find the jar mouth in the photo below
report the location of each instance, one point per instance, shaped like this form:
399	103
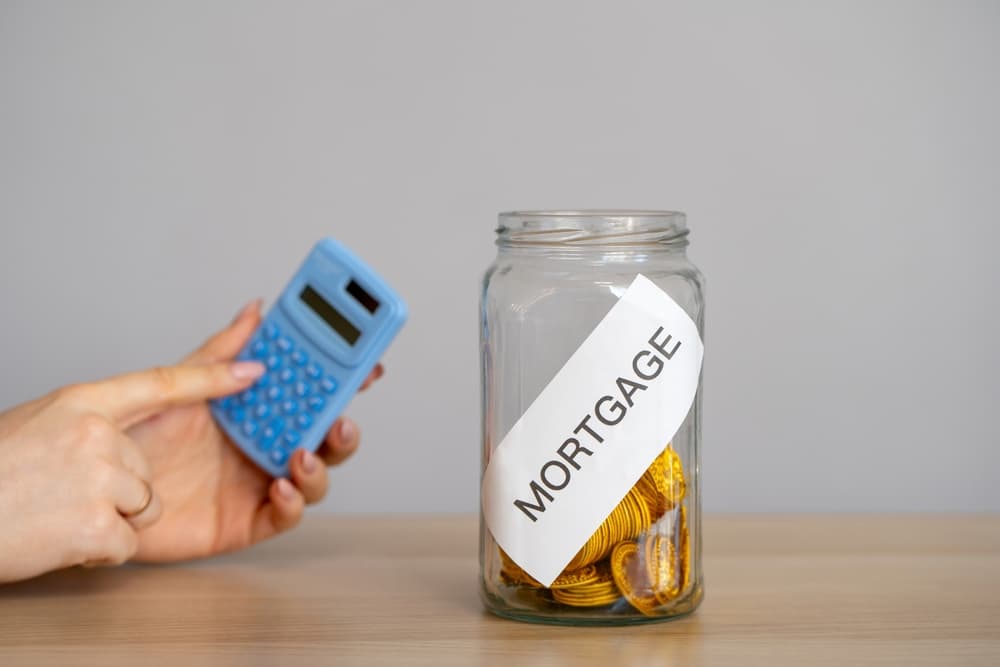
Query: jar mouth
597	227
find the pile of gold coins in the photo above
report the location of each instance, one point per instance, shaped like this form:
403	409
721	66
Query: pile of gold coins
641	552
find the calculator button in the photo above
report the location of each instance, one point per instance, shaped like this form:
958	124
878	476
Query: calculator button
299	358
269	434
249	428
274	393
248	397
278	456
258	350
301	389
314	371
304	420
328	384
262	411
289	407
273	362
270	330
291	439
227	403
264	381
267	438
286	375
284	344
316	403
237	414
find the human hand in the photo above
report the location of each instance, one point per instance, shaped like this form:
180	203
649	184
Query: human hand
77	465
74	485
214	498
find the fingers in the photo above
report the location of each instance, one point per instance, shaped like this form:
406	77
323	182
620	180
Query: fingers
206	373
136	500
128	399
107	539
133	459
104	535
342	441
287	501
308	472
281	512
227	343
132	490
376	373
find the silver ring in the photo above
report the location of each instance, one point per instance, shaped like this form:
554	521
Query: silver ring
145	502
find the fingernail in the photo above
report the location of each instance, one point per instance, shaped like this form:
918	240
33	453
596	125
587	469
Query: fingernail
243	311
348	431
247	370
285	489
246	310
309	462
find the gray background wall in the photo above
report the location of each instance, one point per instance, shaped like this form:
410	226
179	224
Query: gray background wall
162	163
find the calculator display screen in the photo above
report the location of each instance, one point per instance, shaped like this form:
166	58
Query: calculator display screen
363	297
330	315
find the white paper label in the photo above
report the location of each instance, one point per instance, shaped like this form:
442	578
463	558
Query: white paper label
592	432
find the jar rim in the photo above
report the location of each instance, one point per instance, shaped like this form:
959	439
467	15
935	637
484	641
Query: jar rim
592	227
614	213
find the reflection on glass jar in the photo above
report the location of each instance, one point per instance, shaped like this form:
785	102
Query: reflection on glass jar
561	283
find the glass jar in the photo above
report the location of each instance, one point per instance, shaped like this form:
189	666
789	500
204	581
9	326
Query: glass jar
548	312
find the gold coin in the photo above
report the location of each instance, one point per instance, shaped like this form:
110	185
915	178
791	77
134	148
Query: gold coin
596	597
631	577
652	497
648	577
597	589
644	517
615	528
571	578
663	568
511	572
667	475
660	488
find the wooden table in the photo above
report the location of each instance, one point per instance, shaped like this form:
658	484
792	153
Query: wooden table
796	589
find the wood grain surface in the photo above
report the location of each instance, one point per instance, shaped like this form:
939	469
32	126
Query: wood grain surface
780	590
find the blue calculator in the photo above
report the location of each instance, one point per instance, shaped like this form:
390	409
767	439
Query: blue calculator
319	342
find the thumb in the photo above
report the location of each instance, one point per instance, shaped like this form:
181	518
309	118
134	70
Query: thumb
130	398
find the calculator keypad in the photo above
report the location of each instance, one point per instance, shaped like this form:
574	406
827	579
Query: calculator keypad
286	401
